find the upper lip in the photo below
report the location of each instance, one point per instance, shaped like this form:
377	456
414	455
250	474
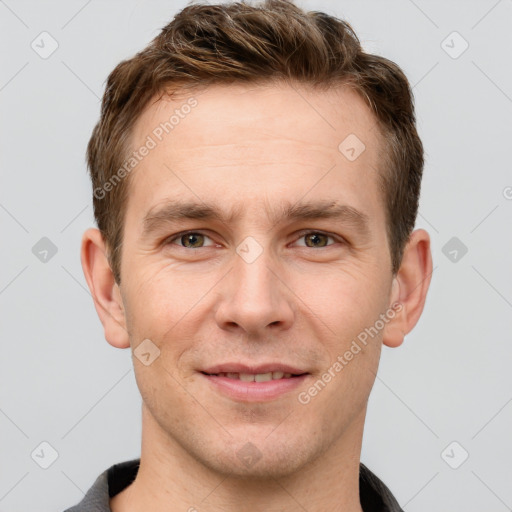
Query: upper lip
261	368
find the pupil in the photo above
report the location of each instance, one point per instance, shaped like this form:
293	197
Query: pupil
190	238
314	236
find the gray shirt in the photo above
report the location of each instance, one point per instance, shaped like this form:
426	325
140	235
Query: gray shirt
373	493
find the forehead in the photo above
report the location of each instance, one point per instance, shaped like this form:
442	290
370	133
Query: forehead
255	111
250	140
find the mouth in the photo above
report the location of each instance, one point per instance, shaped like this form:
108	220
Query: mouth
263	383
255	377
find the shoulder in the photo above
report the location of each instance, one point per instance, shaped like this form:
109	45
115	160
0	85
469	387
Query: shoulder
112	481
375	496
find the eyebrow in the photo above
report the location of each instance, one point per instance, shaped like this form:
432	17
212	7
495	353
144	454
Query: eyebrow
176	210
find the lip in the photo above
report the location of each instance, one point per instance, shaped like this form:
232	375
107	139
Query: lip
243	391
261	368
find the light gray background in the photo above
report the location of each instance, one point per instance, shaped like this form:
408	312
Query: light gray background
450	381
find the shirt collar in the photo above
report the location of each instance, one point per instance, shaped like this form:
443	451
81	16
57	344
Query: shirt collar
373	493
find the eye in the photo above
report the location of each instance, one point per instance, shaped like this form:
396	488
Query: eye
196	239
316	239
189	240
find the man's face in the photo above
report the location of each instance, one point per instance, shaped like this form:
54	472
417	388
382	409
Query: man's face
258	288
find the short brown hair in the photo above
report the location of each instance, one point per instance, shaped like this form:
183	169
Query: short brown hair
236	42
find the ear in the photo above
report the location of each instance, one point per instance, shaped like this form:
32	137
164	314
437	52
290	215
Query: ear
409	288
104	290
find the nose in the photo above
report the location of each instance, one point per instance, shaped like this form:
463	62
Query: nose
254	297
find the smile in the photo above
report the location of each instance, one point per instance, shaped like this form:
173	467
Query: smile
258	377
254	387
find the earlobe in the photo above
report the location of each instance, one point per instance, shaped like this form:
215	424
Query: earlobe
409	288
104	290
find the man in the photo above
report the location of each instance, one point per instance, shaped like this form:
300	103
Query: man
256	179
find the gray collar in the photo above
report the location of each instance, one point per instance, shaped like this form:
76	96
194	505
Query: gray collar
373	493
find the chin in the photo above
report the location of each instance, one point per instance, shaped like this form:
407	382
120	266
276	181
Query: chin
264	458
268	467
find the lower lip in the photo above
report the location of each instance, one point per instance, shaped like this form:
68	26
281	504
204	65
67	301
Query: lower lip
254	391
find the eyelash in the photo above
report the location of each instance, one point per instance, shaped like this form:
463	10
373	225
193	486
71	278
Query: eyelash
302	234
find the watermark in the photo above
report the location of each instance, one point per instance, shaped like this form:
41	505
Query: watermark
351	147
44	455
150	143
249	455
454	455
342	360
454	45
454	249
44	45
146	352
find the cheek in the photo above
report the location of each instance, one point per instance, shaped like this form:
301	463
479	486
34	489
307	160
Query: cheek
346	299
162	293
163	395
168	306
348	307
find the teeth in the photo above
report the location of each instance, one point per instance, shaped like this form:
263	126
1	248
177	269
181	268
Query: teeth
260	377
263	377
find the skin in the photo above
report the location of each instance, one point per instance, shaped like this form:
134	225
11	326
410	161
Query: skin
299	302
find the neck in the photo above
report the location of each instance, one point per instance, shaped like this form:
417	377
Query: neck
169	478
